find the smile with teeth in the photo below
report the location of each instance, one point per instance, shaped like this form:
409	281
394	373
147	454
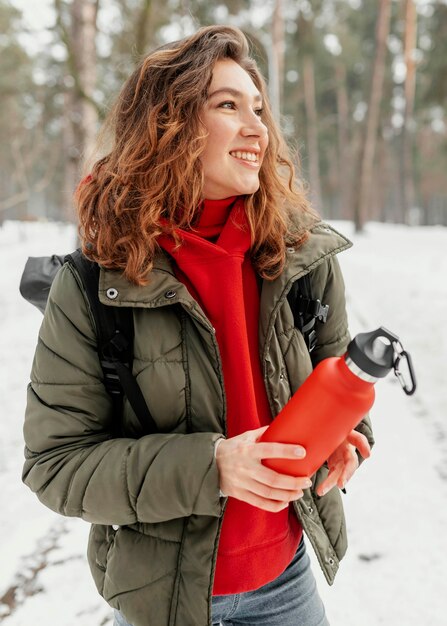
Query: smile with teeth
246	156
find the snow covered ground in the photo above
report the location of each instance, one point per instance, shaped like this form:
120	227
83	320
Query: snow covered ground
396	505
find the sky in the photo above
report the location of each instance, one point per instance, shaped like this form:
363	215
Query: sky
38	15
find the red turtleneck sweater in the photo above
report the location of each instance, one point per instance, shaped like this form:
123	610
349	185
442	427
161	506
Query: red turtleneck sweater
213	262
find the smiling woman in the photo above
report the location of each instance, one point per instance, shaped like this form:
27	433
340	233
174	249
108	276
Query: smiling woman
200	229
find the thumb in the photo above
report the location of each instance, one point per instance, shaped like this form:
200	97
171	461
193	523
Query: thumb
258	432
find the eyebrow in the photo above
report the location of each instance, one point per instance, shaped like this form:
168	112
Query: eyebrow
233	92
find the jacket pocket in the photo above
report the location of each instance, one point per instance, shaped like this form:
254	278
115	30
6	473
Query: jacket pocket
100	541
135	561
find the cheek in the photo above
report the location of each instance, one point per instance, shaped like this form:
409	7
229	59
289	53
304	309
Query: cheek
211	154
220	132
265	140
216	148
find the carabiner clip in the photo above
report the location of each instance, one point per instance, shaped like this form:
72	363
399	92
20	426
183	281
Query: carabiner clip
403	354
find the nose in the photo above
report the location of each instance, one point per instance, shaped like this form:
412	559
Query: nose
253	126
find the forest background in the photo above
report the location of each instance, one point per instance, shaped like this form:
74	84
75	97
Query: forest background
359	88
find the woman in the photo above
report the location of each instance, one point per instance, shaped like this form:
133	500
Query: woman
196	223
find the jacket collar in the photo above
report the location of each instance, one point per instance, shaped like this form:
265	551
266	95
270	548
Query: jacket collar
323	242
165	289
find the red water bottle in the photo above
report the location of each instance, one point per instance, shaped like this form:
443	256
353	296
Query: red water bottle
334	399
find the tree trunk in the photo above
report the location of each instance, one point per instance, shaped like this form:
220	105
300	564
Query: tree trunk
407	164
363	192
83	42
312	129
277	63
142	33
89	73
382	174
345	180
81	111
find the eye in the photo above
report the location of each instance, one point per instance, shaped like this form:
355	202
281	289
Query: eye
228	104
259	112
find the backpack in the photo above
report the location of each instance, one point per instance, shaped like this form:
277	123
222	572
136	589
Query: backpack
114	325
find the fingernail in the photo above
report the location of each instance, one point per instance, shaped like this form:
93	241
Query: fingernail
300	452
308	483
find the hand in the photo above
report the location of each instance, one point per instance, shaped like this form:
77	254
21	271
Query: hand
243	476
344	461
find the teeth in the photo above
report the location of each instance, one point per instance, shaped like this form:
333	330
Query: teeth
246	156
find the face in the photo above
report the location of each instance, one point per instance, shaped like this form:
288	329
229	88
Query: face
237	138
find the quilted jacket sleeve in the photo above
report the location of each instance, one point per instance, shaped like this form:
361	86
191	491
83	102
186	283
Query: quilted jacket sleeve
73	462
333	337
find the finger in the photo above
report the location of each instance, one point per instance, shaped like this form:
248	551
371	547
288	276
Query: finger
272	478
273	506
258	432
330	481
360	442
251	436
348	471
270	450
273	493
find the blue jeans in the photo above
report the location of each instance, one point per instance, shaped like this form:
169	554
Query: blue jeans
290	600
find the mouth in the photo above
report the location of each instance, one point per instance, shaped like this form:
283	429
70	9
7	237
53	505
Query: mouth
251	158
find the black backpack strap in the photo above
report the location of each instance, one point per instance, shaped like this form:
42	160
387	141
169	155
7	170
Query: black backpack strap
306	310
114	332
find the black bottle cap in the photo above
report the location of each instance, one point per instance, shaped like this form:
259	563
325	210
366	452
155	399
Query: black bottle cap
373	352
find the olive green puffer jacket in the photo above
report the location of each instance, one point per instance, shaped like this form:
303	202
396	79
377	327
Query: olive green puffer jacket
153	500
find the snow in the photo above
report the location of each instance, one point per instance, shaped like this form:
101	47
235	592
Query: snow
396	505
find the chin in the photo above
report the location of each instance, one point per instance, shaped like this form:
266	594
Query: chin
248	190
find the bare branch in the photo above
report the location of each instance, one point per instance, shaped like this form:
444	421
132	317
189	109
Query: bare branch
15	200
38	187
22	167
71	57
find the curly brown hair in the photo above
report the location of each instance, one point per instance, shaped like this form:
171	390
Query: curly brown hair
153	169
